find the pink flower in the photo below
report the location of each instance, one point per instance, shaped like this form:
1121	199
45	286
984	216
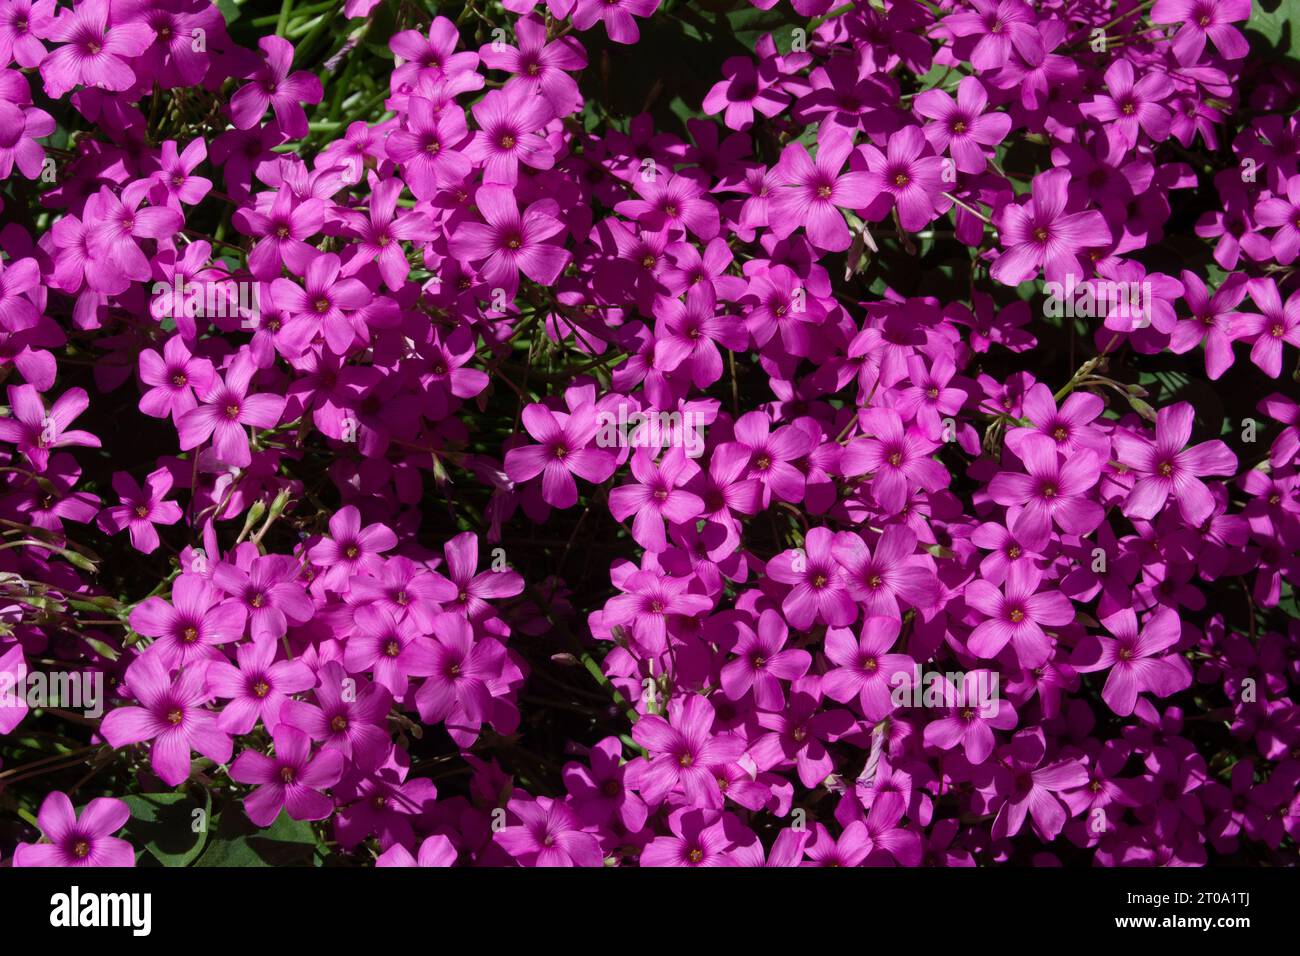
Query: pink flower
683	752
962	127
658	496
259	687
509	121
35	431
813	191
511	243
895	456
1167	467
87	841
562	452
818	589
1275	325
228	411
140	510
273	85
175	376
172	714
762	661
291	780
616	14
94	52
866	670
1040	234
1135	659
1016	614
350	549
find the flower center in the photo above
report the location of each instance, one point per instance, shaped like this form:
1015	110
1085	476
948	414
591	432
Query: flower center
392	648
1017	615
261	689
175	715
339	724
287	774
81	849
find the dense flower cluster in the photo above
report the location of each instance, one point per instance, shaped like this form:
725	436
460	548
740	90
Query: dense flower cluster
863	585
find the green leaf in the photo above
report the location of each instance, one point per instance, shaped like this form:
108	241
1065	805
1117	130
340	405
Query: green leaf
164	823
237	842
1274	28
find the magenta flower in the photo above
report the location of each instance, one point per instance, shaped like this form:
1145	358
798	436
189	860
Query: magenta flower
1016	614
73	841
1129	107
35	431
1053	491
771	457
174	376
95	49
259	687
962	128
509	121
23	23
865	670
290	781
20	128
282	231
350	549
174	180
683	753
878	578
813	191
745	89
1031	788
348	716
13	702
616	14
974	712
511	243
697	838
894	456
430	147
1168	467
562	452
1199	20
227	412
1277	324
273	85
267	586
1040	234
907	177
658	496
327	301
140	510
1136	660
437	851
461	671
539	66
762	661
191	628
548	833
649	600
172	714
818	590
